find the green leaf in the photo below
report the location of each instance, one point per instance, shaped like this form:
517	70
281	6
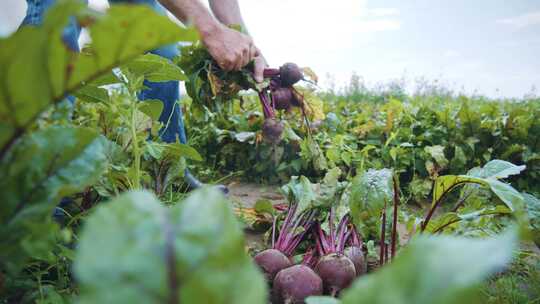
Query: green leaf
155	68
510	196
182	150
147	253
37	56
301	191
450	218
434	270
533	212
369	192
151	107
42	168
322	300
437	152
497	169
244	136
264	206
92	93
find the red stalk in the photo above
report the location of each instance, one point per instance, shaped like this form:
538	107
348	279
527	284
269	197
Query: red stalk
394	218
383	233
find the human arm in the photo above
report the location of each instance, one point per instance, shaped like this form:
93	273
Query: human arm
228	12
231	49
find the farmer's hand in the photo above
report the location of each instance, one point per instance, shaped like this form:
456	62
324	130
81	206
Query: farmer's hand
231	49
260	65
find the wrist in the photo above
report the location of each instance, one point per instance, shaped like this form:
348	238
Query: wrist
207	26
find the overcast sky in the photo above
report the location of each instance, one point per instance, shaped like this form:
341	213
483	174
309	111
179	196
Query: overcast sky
487	46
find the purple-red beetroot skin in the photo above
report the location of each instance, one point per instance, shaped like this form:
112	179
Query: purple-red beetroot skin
356	255
282	98
336	271
271	261
290	74
295	284
272	130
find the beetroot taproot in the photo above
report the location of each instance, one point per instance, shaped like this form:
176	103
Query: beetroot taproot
290	74
295	284
356	255
271	261
272	130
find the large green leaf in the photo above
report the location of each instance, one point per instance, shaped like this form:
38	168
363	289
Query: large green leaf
496	169
533	211
444	184
134	250
451	218
433	270
42	168
370	192
36	56
155	68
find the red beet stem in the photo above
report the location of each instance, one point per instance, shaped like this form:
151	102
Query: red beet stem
383	233
394	217
268	73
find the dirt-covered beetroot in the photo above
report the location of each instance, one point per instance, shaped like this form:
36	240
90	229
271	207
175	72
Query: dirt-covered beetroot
282	98
336	271
272	130
290	74
271	261
356	255
295	284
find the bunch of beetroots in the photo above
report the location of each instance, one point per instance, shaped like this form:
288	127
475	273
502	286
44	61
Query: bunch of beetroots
279	95
326	268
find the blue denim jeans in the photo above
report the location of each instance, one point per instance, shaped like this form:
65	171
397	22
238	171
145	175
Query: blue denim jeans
167	92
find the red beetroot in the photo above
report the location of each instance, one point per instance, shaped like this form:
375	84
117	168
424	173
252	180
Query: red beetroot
290	73
271	261
295	284
272	130
282	98
336	271
356	255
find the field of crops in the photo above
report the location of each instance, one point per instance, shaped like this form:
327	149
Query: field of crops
391	196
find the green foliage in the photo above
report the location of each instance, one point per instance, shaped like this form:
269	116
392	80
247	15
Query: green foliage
37	56
43	156
533	211
487	176
435	270
370	193
42	168
135	250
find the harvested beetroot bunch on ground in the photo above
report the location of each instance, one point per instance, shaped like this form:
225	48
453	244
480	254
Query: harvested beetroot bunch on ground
292	231
335	269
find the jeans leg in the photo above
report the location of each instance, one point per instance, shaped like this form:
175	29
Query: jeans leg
168	92
34	16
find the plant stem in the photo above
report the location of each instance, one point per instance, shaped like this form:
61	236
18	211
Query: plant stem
383	233
135	146
394	217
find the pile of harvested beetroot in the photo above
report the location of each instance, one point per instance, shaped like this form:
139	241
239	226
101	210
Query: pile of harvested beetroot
332	257
314	247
